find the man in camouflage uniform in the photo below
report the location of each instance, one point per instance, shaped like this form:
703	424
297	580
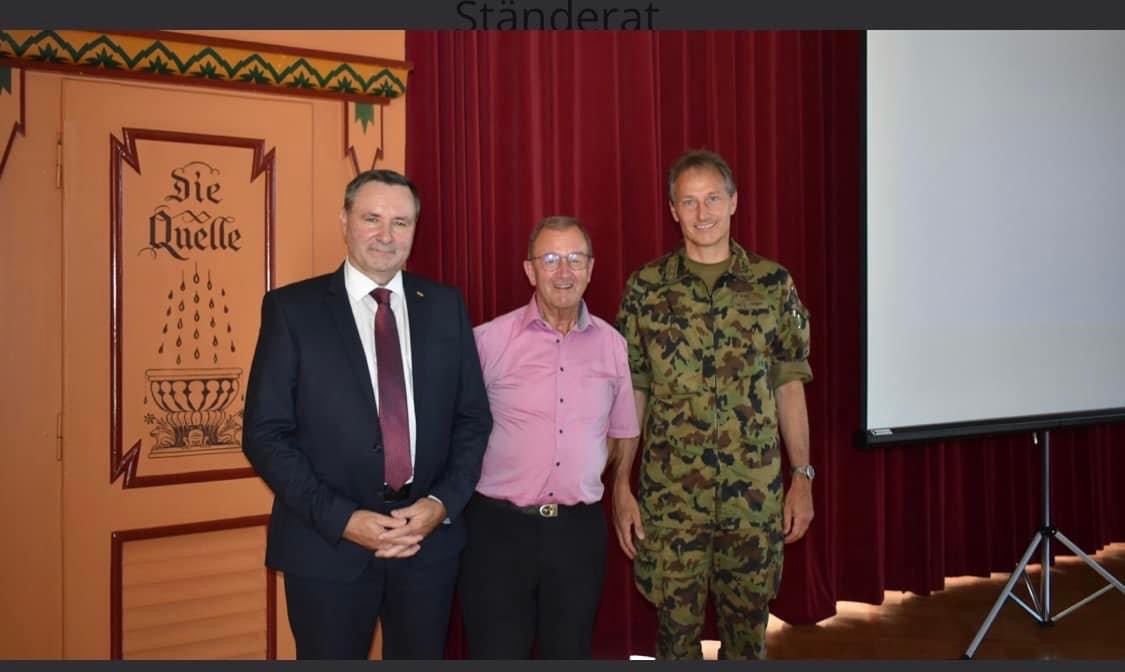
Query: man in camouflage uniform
718	347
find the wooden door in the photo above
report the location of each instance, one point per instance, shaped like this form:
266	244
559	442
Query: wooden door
31	348
180	208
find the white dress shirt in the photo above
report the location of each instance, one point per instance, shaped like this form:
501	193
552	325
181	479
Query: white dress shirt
359	288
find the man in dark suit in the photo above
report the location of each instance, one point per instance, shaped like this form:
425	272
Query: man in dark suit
367	416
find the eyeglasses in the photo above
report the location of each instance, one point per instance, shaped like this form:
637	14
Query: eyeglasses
552	260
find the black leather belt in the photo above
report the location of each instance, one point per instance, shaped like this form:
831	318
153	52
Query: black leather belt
542	510
391	495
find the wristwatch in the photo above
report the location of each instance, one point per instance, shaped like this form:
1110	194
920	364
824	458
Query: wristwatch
805	470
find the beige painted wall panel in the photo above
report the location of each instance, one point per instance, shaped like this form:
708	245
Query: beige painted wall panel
172	610
234	646
31	368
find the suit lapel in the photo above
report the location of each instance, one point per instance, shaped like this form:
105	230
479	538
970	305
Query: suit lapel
336	301
417	310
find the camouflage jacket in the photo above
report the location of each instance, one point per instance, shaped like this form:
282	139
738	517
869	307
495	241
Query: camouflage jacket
710	362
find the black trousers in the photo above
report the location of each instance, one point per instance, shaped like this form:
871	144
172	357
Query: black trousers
528	580
412	597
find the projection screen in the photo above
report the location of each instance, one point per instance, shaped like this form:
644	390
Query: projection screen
994	233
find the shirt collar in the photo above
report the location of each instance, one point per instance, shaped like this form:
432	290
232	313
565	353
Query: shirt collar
675	267
358	285
531	314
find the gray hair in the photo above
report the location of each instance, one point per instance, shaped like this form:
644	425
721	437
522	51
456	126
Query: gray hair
698	159
558	223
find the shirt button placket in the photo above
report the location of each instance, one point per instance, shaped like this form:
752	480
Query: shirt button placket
560	412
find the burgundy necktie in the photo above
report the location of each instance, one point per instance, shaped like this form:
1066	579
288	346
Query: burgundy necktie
393	420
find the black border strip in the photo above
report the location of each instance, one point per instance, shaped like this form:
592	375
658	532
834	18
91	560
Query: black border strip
951	430
669	14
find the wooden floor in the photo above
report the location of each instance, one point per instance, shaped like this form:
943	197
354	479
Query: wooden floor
943	624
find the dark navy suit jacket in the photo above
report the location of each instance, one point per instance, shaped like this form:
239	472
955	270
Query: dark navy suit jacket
311	428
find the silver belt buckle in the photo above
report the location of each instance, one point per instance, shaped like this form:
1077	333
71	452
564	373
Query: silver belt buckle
549	510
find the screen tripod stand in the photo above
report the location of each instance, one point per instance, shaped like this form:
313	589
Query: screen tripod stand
1040	608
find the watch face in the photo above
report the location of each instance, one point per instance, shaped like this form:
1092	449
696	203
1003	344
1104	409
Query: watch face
807	471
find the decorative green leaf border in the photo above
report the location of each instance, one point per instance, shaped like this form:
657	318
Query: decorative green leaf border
195	59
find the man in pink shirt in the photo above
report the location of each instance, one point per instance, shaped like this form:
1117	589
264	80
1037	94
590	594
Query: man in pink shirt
561	393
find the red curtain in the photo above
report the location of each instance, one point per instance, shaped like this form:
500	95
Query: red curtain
504	128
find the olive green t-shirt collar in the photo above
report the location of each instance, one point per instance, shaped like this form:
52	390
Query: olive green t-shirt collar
676	268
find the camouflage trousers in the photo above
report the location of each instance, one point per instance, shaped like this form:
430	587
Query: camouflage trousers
677	569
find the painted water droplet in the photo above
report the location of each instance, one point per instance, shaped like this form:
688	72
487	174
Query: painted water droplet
215	341
181	306
211	304
164	330
197	353
212	322
180	323
228	328
232	346
222	292
195	334
170	295
160	350
195	299
183	285
178	360
195	278
168	313
179	341
215	358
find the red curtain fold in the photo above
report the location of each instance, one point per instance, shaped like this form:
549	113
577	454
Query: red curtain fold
505	128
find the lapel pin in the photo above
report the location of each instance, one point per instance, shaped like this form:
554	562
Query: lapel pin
420	294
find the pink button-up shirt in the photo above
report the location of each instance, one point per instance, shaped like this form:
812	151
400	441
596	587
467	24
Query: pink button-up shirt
555	399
